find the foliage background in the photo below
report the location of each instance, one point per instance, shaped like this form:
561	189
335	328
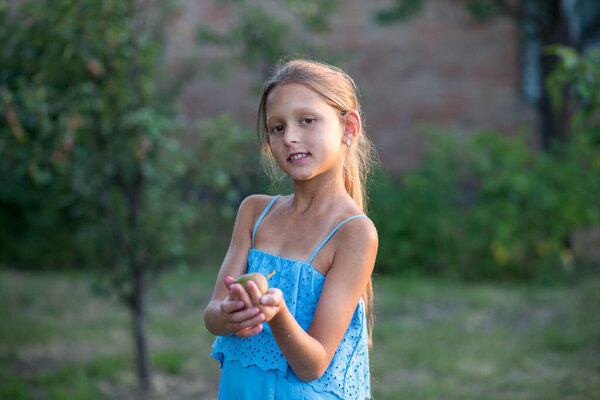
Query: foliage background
102	179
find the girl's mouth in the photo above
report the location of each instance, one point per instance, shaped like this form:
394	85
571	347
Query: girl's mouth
295	157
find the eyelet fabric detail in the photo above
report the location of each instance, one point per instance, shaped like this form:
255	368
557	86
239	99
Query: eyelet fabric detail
348	374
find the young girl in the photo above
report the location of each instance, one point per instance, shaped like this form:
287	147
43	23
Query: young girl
308	336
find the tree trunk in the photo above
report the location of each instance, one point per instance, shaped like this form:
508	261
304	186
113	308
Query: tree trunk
138	295
554	123
139	330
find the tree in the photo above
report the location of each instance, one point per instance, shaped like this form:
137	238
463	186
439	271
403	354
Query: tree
260	36
90	139
94	172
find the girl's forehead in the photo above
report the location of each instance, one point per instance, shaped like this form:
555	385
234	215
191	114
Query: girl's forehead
294	94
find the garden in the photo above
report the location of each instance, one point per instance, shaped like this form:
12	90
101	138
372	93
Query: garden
115	214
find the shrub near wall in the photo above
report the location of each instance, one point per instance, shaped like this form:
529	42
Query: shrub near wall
490	207
487	208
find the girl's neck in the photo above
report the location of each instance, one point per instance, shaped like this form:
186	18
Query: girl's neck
317	194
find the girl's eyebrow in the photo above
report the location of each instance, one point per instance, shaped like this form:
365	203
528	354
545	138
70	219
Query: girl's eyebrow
304	110
271	119
295	111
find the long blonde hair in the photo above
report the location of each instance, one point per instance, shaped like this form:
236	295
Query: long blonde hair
339	91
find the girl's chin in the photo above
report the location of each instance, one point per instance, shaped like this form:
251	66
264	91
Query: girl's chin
298	176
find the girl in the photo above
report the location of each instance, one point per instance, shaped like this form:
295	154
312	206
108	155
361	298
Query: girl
307	337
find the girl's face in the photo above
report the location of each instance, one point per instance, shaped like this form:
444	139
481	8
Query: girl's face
305	134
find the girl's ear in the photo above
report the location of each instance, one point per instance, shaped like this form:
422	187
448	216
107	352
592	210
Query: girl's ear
351	125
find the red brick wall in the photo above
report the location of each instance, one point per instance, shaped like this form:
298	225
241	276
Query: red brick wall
441	68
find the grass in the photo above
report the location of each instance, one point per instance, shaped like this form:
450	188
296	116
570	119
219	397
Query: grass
60	341
432	339
171	361
447	340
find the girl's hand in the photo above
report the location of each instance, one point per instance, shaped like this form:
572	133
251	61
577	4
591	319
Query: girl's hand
269	303
240	315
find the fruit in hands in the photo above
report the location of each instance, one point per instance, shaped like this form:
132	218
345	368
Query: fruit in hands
258	278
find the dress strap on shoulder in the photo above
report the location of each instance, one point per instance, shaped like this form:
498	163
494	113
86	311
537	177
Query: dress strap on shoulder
331	234
262	216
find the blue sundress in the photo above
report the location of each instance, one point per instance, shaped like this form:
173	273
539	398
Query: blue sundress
254	368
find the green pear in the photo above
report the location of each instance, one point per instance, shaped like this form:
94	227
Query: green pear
258	278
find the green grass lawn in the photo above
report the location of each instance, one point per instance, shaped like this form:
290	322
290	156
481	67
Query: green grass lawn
432	339
436	340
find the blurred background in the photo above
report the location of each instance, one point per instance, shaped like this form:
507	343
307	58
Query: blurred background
127	142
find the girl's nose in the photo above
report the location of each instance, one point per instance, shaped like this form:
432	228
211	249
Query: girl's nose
290	136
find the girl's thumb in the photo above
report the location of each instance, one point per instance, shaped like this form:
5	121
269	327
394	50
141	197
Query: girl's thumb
228	280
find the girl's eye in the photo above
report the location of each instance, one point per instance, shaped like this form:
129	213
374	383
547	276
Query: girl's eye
308	121
277	129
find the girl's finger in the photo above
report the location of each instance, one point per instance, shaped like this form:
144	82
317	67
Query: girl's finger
257	320
246	324
240	293
228	281
230	305
244	315
254	293
246	333
239	332
234	296
267	300
273	297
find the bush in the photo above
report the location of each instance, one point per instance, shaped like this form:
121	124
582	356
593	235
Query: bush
491	207
488	208
225	172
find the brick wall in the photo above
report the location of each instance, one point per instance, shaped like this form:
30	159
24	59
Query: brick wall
440	68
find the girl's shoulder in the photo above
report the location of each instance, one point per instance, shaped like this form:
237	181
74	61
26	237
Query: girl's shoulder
361	229
348	209
356	228
251	207
256	201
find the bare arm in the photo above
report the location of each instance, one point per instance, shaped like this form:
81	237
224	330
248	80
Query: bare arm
310	353
228	312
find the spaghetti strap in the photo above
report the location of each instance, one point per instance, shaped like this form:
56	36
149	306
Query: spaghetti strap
331	234
262	216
